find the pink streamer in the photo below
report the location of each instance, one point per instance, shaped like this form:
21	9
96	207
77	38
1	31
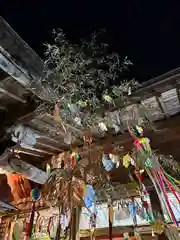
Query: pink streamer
169	185
160	182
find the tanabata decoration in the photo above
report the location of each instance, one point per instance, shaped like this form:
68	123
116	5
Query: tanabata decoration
89	196
90	204
114	159
155	171
102	127
158	227
107	162
132	210
35	195
126	160
126	236
50	228
93	220
48	169
141	143
92	225
72	161
122	213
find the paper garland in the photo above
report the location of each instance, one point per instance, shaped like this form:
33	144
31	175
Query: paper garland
143	147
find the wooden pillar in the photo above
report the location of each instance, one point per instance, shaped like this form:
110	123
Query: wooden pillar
75	223
78	215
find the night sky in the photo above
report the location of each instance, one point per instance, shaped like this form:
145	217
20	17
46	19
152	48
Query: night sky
146	31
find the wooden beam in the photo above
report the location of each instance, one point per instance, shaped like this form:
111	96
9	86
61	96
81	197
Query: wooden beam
162	106
161	84
11	95
48	118
125	141
104	231
20	61
49	146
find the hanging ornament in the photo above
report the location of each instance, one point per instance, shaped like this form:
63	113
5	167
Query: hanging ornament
132	210
82	104
143	146
35	194
126	160
158	227
72	160
92	225
122	213
75	156
136	132
93	220
36	222
126	236
51	228
132	161
89	196
73	108
48	168
107	98
102	127
129	91
58	231
107	162
115	159
31	222
77	120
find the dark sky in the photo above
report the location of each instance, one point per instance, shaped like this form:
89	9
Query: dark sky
146	31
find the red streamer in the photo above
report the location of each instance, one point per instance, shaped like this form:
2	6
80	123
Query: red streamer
169	185
160	182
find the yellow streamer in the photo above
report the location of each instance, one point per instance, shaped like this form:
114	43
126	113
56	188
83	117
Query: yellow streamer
175	180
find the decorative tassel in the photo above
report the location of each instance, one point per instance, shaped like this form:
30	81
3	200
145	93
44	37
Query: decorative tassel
37	219
58	232
162	187
31	222
169	185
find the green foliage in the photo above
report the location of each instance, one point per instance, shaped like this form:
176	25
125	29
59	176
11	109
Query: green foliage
87	74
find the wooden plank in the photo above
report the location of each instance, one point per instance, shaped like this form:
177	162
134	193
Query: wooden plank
20	61
125	141
104	231
162	106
